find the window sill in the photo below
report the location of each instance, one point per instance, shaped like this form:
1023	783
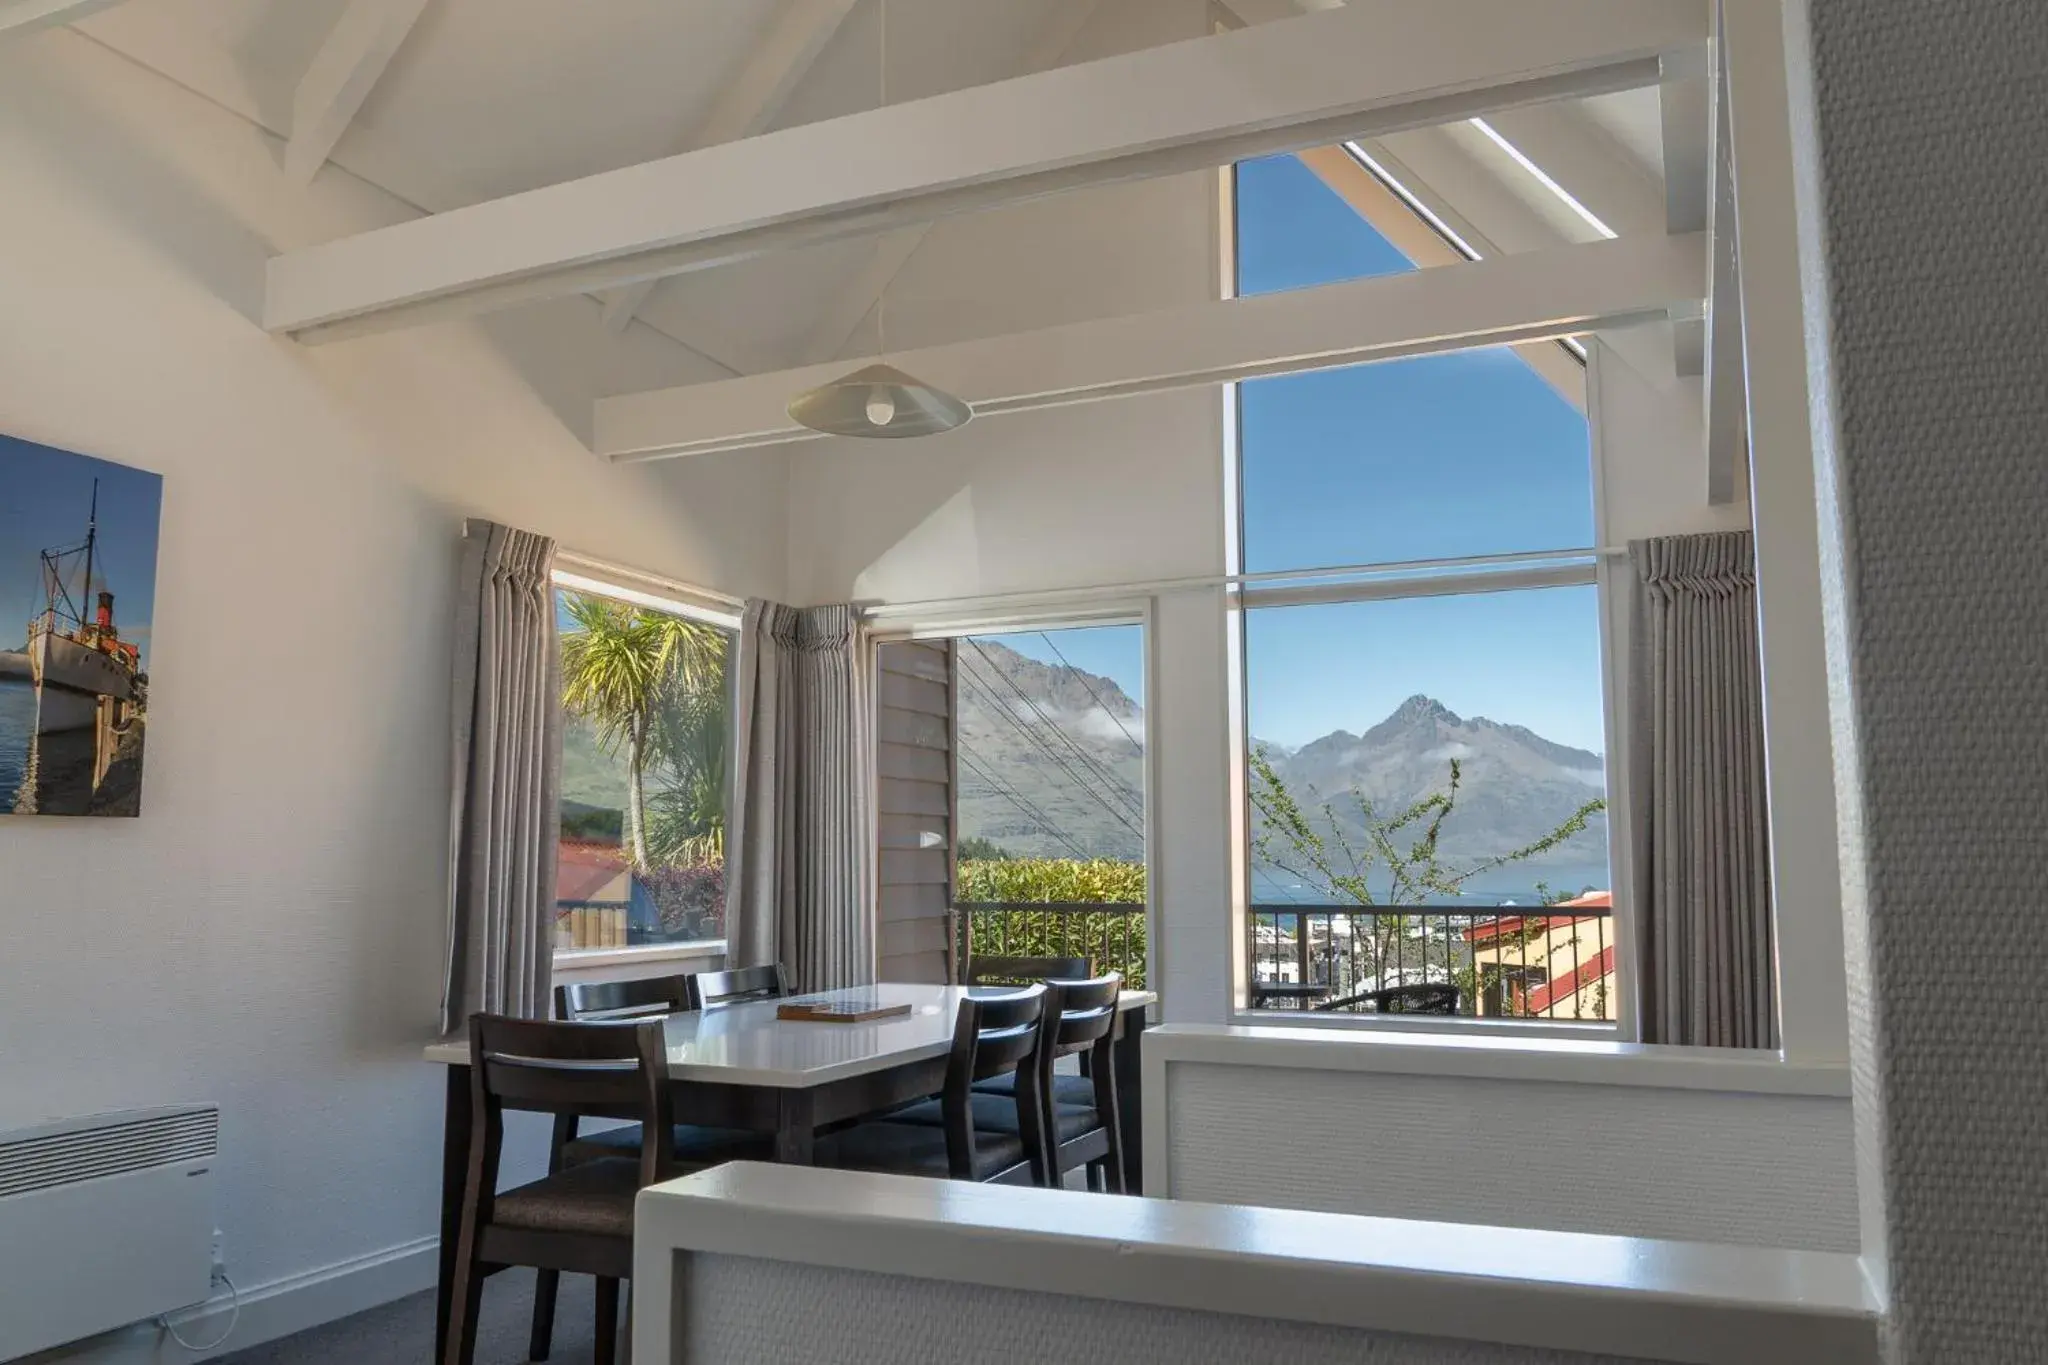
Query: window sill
1504	1030
1576	1060
579	961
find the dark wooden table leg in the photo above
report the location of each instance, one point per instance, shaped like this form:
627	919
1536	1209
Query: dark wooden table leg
795	1127
454	1172
1130	1096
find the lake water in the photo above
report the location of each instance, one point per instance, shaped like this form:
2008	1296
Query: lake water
17	727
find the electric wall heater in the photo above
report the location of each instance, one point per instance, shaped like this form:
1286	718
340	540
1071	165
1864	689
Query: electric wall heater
104	1221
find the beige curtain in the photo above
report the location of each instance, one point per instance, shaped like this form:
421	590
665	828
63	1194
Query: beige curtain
1702	871
801	847
507	778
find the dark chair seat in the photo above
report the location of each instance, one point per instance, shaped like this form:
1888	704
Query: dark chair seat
998	1114
914	1148
595	1198
695	1145
1065	1089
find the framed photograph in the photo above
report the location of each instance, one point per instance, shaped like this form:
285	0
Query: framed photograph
77	589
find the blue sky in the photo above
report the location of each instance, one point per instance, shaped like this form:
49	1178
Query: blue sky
1426	458
45	497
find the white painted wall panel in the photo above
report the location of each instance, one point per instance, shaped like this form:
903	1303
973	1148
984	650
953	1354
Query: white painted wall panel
738	1310
1634	1160
267	935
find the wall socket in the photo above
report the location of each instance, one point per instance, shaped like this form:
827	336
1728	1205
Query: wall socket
220	1255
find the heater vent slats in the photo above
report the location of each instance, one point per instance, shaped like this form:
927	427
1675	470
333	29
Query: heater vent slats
89	1150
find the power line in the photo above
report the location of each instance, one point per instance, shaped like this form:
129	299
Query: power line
1102	774
987	697
1082	678
1031	812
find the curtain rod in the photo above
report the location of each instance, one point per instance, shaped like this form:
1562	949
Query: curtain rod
1147	587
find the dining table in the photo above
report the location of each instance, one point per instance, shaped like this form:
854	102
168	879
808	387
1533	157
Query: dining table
740	1065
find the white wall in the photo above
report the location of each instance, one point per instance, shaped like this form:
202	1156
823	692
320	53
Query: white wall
267	935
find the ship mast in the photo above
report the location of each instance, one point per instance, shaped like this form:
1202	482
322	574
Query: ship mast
92	535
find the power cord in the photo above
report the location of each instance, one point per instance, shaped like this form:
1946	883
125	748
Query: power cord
234	1317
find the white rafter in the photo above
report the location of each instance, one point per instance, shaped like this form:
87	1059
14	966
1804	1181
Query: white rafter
26	16
1360	70
749	103
842	316
1512	299
1584	162
344	71
1727	396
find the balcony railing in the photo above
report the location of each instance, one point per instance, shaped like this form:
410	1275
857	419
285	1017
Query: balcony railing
1110	935
1552	962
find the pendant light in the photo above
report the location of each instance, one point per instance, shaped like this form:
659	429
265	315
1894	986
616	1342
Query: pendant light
879	401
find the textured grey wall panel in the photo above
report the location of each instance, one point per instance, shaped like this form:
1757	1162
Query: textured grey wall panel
1695	1165
739	1311
1932	136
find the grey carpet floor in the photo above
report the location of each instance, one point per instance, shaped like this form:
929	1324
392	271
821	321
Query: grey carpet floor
402	1333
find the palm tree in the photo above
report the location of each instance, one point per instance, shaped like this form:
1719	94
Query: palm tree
620	666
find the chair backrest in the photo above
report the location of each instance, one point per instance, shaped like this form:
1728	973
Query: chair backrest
593	1001
609	1070
1437	997
1023	971
743	983
1080	1014
992	1035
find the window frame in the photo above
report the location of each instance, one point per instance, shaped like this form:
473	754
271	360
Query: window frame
574	573
1048	612
1592	565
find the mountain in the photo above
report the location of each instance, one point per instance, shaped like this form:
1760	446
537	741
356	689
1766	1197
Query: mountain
1052	759
1052	763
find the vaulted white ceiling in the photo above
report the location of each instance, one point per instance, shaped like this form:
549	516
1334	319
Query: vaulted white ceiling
479	99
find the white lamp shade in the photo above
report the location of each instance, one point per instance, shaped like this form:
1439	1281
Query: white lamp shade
881	402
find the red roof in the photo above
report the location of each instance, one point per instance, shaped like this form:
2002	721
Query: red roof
1559	989
1592	900
584	869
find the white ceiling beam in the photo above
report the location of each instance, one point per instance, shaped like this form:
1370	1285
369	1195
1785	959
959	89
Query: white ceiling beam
749	103
26	16
842	316
1513	299
1360	70
1687	114
342	74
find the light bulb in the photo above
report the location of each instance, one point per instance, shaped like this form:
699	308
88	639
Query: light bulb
881	407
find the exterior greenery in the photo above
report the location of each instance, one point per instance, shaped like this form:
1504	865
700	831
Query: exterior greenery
1112	940
653	686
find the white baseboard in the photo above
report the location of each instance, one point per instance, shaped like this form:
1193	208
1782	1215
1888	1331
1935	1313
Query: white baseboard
269	1311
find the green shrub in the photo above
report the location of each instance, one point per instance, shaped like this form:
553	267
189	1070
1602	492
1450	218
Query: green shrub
1111	940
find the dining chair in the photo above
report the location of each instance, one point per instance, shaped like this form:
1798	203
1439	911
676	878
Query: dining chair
693	1146
985	971
1080	1017
742	983
580	1218
991	1034
610	1001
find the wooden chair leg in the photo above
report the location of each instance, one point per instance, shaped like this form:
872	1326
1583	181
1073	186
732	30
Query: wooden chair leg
467	1304
606	1348
547	1284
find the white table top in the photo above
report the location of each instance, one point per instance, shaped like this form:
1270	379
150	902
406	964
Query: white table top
745	1044
1628	1296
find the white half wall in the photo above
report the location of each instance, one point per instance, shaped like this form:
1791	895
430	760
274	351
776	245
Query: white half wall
267	936
1681	1143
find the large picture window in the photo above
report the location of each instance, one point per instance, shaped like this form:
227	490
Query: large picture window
647	709
1424	685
